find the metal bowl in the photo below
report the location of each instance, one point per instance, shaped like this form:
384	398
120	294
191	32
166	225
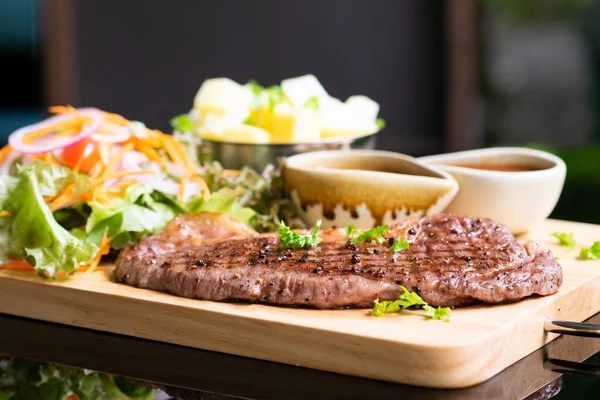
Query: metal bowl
258	156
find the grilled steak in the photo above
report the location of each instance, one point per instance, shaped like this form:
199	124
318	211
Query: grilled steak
452	261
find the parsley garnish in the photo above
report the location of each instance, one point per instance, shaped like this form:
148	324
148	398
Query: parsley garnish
182	123
312	102
256	87
375	235
410	299
565	239
351	231
380	123
257	90
293	240
276	95
590	253
400	244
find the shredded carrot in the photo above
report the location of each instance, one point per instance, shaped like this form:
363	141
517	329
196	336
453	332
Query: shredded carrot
4	153
103	249
66	198
49	159
117	158
173	153
63	109
202	183
104	152
149	152
77	166
123	174
116	119
96	170
18	265
4	214
182	184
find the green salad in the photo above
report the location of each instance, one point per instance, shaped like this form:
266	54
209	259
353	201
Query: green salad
83	183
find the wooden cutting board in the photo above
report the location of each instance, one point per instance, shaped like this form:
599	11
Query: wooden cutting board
479	342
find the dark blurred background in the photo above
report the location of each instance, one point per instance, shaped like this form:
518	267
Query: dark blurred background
449	74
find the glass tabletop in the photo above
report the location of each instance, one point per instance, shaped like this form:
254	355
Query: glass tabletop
567	368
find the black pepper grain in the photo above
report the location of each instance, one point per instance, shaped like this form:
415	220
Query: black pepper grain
351	246
355	258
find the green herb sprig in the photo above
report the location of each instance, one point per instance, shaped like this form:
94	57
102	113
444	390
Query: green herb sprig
565	239
313	103
182	123
351	232
375	235
590	253
400	244
410	299
293	240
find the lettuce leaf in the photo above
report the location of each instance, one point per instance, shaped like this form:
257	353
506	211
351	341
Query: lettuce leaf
262	192
32	380
126	219
31	233
225	201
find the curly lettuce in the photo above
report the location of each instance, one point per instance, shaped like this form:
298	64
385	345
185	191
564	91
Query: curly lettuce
264	193
31	380
31	232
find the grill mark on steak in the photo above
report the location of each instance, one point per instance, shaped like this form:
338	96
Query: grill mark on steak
452	261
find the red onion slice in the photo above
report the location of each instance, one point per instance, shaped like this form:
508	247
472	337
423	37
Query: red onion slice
16	138
118	133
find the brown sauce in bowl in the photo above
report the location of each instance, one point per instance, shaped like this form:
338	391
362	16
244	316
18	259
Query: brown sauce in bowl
500	167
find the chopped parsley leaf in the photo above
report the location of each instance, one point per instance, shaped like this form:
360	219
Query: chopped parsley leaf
312	102
351	231
400	244
182	123
276	95
410	299
255	87
565	239
590	253
293	240
375	235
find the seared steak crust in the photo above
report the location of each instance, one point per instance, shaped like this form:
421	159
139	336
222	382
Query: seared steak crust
452	261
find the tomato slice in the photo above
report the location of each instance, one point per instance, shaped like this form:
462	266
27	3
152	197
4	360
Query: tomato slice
86	153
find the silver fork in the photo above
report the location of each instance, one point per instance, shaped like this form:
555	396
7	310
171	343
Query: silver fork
572	328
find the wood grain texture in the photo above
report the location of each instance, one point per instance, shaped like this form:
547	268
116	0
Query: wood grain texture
405	348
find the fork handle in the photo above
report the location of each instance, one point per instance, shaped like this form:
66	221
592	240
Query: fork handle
572	328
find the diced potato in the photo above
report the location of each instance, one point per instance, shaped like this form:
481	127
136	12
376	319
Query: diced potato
346	132
223	96
363	109
214	123
295	125
339	119
299	90
246	134
211	135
